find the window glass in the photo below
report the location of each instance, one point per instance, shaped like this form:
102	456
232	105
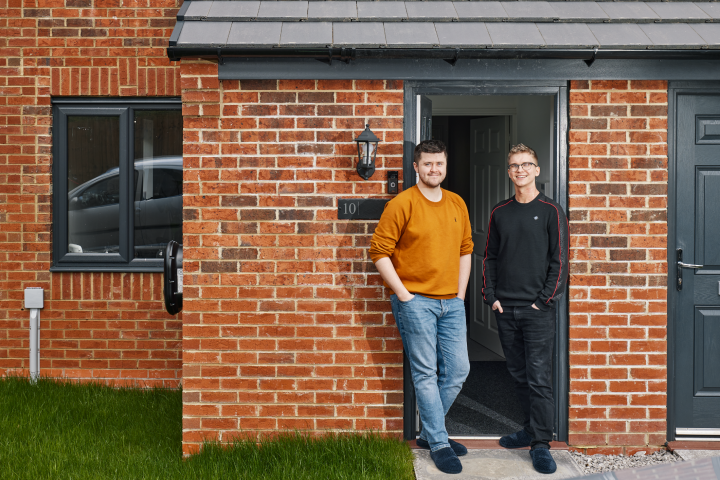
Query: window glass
158	199
93	183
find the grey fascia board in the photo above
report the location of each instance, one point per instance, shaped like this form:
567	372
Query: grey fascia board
710	33
620	35
181	13
480	11
198	10
711	8
254	34
204	34
435	11
579	11
635	12
233	10
507	34
369	11
335	11
567	35
359	34
661	33
282	10
306	34
678	12
520	11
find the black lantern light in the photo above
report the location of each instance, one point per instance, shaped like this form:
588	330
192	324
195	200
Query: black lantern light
367	151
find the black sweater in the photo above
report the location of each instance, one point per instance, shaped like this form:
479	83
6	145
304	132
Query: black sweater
526	254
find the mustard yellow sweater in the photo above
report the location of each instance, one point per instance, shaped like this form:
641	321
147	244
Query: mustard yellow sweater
425	241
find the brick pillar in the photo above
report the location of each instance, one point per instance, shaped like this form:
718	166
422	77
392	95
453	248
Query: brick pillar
618	230
286	325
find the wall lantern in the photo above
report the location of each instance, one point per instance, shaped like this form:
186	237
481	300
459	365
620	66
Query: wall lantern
367	151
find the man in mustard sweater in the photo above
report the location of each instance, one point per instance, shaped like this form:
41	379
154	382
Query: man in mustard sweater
422	248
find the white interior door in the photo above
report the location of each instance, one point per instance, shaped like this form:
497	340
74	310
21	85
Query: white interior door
488	186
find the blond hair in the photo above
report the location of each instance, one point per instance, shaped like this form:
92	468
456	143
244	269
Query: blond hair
521	148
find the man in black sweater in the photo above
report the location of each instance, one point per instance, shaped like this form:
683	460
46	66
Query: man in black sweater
524	275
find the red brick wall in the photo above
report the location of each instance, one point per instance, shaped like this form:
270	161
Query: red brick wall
285	321
103	326
618	228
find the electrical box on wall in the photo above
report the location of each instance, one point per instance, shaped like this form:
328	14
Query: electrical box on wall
34	297
392	182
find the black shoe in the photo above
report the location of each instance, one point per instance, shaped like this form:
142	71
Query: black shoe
519	439
543	461
458	448
446	461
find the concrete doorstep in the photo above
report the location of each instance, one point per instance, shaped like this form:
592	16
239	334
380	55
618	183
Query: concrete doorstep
495	464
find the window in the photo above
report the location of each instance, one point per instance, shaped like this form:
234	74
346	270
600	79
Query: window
117	182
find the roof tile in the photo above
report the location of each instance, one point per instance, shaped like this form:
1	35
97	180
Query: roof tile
436	11
302	34
254	34
466	34
406	34
337	10
365	34
519	35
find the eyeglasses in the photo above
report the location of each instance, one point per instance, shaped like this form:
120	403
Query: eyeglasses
513	167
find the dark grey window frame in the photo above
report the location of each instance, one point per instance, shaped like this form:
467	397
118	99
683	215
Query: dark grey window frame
124	108
559	90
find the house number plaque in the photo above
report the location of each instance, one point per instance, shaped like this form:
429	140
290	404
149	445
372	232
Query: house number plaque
361	208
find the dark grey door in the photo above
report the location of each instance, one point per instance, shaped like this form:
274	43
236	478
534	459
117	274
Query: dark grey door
696	265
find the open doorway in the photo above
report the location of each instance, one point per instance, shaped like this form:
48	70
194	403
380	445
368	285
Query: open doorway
479	130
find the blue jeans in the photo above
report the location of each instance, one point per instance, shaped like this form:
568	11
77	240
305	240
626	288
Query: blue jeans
434	337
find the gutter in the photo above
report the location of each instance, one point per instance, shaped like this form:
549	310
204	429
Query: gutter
450	55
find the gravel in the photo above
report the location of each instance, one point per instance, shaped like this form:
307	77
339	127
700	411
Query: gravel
605	463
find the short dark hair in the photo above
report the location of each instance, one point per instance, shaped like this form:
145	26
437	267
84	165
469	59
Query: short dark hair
429	146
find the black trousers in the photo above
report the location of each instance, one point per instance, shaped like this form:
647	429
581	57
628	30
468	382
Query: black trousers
527	337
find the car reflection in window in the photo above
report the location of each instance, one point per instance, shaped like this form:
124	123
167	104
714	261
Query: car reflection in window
94	209
158	205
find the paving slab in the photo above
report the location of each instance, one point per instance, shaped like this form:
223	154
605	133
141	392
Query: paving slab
695	454
495	465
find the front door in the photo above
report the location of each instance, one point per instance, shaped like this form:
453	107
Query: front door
696	265
488	186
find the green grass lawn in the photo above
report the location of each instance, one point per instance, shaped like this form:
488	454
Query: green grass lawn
58	430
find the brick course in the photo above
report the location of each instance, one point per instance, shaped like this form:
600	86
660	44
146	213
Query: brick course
286	325
618	233
95	325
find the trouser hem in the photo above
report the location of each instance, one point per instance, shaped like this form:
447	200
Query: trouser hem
540	445
438	447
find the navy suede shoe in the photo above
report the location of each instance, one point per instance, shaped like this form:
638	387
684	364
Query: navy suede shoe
543	461
519	439
458	448
446	461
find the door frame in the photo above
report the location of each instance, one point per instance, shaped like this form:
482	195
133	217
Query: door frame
675	88
558	89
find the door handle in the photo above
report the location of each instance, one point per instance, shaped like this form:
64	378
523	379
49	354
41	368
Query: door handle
680	266
687	265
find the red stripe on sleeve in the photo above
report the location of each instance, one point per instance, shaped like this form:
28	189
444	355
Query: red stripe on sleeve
560	255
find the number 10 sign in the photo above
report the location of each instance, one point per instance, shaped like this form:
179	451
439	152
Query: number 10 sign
361	208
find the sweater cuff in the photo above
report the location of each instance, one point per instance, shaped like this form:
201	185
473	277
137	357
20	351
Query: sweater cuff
490	299
541	305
